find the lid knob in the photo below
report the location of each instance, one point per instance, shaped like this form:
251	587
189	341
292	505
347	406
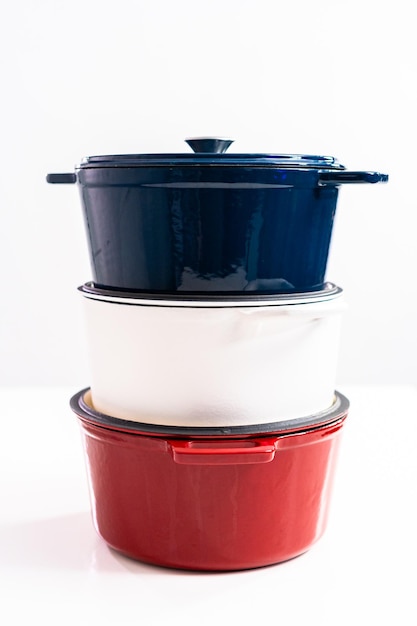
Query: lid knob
209	144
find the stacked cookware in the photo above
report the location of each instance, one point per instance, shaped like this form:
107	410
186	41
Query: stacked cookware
212	424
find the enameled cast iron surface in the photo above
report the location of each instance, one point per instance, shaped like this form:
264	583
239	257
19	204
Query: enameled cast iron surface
221	503
212	363
222	223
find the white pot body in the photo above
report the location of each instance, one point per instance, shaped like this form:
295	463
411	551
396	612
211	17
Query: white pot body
212	365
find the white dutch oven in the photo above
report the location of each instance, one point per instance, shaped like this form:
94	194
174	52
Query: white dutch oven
187	362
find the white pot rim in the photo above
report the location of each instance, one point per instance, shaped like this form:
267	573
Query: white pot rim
331	292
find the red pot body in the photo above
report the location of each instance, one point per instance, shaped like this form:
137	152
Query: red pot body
211	503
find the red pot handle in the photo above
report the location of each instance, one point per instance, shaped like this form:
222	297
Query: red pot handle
230	452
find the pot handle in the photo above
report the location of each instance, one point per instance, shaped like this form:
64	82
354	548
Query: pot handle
205	145
230	452
329	177
61	178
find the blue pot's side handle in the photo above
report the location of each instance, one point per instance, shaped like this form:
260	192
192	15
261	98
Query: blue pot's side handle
61	178
345	177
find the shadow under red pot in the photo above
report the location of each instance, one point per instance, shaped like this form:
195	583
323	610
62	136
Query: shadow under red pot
210	498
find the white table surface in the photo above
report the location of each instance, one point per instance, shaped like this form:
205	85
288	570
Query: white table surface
54	569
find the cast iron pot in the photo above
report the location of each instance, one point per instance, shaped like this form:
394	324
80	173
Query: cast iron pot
183	361
210	499
209	221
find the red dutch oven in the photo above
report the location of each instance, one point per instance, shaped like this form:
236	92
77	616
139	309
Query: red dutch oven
210	498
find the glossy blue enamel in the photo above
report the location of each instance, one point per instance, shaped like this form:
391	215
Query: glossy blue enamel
208	221
185	235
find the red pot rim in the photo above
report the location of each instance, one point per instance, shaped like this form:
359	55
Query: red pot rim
80	404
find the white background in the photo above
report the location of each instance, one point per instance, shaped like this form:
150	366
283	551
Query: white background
96	77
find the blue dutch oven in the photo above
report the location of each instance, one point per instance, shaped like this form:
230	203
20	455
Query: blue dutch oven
210	221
